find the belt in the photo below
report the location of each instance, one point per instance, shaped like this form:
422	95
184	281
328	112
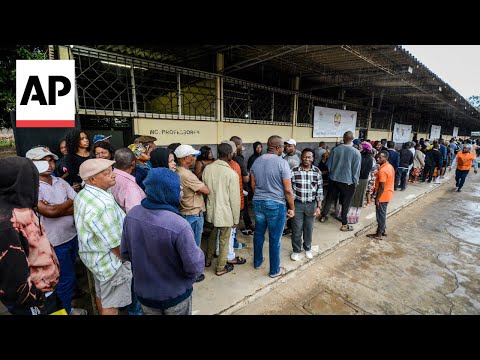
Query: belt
199	214
305	202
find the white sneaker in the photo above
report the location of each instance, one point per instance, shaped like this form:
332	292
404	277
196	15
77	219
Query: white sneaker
295	256
78	311
309	254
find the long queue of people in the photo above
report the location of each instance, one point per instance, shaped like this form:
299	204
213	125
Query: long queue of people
136	216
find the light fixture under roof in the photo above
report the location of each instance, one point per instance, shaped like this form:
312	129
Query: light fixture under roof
122	65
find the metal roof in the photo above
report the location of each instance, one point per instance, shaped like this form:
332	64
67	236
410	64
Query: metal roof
389	74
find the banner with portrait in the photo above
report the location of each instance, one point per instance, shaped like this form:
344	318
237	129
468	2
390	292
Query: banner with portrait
455	132
401	133
329	122
435	133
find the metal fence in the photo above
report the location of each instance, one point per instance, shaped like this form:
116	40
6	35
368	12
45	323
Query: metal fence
110	84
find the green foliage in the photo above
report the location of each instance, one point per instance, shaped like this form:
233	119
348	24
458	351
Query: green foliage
475	101
7	75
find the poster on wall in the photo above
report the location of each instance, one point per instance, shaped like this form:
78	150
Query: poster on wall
435	133
401	133
329	122
455	132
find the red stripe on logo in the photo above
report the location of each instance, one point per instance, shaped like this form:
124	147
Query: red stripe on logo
45	123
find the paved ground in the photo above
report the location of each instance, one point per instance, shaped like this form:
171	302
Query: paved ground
429	264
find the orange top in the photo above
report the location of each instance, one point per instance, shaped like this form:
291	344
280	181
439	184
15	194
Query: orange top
464	160
233	164
386	174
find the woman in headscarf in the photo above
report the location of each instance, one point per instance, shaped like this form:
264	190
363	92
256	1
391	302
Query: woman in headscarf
257	152
418	163
163	158
372	177
142	168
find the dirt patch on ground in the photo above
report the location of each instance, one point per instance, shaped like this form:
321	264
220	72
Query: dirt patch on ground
6	152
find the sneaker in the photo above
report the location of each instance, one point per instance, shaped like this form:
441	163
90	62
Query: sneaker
309	254
78	311
459	190
295	256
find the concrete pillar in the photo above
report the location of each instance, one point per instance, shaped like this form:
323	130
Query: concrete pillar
219	94
296	88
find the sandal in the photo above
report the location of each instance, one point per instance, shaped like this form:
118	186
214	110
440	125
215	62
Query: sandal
348	228
228	267
237	261
323	219
280	273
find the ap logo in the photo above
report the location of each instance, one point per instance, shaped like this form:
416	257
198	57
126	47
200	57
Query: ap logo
45	94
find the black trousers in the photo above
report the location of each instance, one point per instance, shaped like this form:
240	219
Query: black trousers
336	189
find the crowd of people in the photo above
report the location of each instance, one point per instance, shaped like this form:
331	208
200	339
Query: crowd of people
136	215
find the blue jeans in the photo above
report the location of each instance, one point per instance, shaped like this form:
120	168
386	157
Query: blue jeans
272	215
135	308
66	254
196	222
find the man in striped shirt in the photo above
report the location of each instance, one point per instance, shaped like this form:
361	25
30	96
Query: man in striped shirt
99	223
308	195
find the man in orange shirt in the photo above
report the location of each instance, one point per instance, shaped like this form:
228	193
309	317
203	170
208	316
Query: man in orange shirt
384	193
464	161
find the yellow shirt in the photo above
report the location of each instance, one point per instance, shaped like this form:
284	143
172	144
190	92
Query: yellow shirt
191	202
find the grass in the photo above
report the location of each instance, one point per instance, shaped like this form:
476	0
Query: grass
7	143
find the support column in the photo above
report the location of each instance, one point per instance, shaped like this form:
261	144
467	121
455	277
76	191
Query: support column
179	95
134	91
390	126
370	112
296	88
219	94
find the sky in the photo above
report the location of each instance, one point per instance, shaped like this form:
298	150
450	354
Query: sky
457	65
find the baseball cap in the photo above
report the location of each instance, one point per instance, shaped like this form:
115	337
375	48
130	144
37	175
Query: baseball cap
92	167
290	142
185	150
41	165
39	153
99	137
232	144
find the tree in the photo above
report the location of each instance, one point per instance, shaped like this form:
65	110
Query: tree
7	75
474	100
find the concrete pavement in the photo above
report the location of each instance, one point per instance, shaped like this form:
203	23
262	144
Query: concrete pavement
231	292
428	264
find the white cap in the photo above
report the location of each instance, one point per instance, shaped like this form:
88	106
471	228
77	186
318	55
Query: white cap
290	142
41	165
185	150
39	153
92	167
